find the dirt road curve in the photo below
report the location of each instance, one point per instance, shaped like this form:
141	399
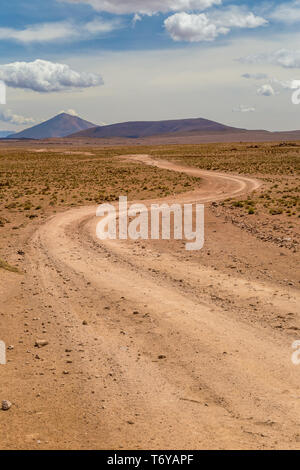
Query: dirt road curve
151	346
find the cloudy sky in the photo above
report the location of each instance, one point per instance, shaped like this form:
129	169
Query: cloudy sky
236	62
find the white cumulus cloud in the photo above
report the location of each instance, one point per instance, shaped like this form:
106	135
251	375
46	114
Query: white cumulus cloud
283	57
72	112
266	90
147	7
207	27
192	28
136	18
255	76
6	115
241	108
58	31
45	76
288	12
238	17
287	84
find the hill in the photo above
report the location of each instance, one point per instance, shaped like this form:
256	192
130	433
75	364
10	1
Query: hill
59	126
139	129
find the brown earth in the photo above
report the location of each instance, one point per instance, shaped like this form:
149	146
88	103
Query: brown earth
150	346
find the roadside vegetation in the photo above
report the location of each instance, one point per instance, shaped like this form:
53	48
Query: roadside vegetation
7	267
271	213
277	164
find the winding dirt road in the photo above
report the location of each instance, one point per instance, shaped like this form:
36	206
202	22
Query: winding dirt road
151	346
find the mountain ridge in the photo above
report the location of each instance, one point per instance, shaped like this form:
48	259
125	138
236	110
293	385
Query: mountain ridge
140	129
181	130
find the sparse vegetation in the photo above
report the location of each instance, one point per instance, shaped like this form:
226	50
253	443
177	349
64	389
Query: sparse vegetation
7	267
277	164
31	181
35	184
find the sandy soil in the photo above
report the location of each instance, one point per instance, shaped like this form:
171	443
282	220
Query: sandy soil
45	150
151	347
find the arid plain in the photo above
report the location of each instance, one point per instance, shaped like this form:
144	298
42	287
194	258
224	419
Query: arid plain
149	346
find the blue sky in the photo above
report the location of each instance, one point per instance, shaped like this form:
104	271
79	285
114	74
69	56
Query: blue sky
149	33
232	61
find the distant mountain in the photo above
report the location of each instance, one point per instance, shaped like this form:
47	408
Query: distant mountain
60	126
172	131
139	129
4	134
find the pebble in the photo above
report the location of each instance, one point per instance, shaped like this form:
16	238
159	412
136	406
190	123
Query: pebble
40	343
6	405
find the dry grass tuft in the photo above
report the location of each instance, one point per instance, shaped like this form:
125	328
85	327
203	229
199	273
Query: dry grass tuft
7	267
